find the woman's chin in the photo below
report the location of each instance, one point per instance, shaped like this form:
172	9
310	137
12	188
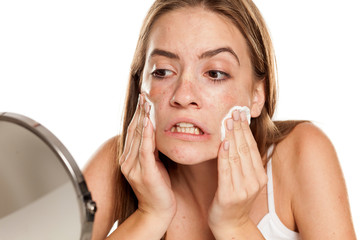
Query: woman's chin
188	156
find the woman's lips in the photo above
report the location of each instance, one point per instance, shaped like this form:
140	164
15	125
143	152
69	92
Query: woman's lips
187	129
188	136
181	122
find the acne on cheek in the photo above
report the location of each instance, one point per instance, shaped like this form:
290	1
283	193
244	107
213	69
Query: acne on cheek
157	96
227	101
156	91
235	98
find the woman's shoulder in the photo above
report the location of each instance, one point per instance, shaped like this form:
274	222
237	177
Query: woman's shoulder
110	146
306	163
106	152
305	153
306	144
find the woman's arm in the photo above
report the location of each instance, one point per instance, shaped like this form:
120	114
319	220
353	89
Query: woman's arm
101	180
320	201
100	175
146	175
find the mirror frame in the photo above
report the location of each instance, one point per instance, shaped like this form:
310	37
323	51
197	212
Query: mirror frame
86	205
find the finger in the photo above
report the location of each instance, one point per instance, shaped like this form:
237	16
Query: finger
255	155
234	158
146	150
242	146
224	170
135	143
152	127
132	126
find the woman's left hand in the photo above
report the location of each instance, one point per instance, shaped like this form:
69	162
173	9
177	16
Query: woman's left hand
241	177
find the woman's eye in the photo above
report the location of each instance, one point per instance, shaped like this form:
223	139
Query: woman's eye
216	75
161	73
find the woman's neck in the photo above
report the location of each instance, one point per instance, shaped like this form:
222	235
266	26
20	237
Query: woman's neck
196	183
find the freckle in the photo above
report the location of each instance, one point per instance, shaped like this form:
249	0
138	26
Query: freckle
183	217
229	99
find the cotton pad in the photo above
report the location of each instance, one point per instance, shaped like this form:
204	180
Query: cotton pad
152	111
228	115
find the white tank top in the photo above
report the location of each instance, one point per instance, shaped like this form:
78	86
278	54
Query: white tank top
270	225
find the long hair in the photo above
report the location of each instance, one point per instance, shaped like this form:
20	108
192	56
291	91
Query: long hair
247	18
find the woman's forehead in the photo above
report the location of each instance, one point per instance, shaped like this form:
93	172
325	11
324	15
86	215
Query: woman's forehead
195	30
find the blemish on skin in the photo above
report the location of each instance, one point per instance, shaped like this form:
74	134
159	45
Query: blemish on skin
183	217
176	151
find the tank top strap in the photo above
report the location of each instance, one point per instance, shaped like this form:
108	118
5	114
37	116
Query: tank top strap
270	188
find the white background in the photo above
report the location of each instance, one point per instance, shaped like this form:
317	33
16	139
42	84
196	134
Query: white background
66	64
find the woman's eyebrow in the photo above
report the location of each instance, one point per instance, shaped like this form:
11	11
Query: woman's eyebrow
211	53
164	53
207	54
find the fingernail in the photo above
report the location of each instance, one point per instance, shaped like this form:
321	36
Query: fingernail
146	120
236	115
243	116
226	145
230	124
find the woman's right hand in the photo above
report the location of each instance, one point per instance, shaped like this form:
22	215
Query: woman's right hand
144	171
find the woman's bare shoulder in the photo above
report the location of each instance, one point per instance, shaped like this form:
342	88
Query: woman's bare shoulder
103	161
319	198
307	153
107	151
101	177
304	143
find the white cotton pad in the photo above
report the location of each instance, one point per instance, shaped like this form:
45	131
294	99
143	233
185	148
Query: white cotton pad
152	111
228	115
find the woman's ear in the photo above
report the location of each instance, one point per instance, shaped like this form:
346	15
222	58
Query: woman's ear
258	98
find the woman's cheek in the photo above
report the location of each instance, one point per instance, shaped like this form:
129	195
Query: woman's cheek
223	106
159	111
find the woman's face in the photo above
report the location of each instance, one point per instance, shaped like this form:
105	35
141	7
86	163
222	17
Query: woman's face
197	67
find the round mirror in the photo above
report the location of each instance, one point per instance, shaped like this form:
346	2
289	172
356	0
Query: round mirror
43	193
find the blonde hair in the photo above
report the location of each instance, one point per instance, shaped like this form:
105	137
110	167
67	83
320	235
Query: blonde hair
247	18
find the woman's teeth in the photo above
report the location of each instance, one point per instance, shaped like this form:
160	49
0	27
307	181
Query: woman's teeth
186	128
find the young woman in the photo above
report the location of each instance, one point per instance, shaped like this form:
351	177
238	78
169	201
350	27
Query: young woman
175	178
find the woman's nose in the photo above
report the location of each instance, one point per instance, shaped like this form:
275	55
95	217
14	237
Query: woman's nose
186	95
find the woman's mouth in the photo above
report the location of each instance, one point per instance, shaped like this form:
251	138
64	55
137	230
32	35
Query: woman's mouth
187	129
184	127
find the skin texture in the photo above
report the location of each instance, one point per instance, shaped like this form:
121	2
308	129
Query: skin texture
218	188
